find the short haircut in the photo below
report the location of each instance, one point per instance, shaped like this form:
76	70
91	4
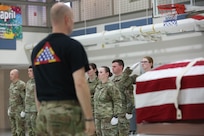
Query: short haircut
119	61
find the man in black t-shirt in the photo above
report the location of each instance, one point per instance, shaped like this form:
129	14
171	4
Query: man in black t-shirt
59	65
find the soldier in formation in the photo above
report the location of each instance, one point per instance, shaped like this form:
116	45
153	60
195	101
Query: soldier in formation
92	81
107	105
16	104
124	83
30	106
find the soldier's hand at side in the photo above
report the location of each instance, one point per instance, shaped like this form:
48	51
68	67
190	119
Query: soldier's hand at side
9	111
128	115
114	121
22	114
90	128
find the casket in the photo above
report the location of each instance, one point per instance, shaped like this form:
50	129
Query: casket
171	92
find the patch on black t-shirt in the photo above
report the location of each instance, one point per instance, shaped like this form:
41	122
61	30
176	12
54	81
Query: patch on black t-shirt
46	55
54	60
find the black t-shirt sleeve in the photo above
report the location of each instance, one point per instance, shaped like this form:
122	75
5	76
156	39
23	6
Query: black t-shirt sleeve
78	57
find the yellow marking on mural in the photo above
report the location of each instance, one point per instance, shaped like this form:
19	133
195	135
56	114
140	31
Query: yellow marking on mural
9	35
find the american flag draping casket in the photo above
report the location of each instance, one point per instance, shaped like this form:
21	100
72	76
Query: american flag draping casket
171	92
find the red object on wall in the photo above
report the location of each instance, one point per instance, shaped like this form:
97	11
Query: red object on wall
180	8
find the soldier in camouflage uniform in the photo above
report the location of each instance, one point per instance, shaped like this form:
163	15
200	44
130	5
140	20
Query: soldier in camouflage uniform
124	82
107	104
16	104
30	107
92	80
132	116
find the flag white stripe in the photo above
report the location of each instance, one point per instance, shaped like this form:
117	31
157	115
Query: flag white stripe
171	72
191	96
186	96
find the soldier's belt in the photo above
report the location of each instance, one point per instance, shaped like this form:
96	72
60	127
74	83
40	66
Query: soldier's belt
71	102
13	104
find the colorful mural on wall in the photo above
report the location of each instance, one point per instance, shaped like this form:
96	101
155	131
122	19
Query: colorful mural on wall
10	22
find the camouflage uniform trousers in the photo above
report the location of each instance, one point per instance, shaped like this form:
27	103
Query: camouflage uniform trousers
17	124
31	123
104	128
123	125
60	118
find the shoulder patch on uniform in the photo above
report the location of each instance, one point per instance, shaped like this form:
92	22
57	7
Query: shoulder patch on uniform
46	55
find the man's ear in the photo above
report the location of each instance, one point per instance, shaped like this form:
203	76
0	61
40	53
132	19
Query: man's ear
66	20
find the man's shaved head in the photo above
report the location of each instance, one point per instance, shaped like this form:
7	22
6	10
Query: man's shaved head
58	11
14	75
61	18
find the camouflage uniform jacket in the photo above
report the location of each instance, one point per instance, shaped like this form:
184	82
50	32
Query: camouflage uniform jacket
107	100
17	96
125	84
92	86
30	96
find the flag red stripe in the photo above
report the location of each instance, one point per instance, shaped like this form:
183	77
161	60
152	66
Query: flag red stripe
167	112
192	81
155	85
169	83
156	113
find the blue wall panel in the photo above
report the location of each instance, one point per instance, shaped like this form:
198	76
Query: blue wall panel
128	24
9	44
82	31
